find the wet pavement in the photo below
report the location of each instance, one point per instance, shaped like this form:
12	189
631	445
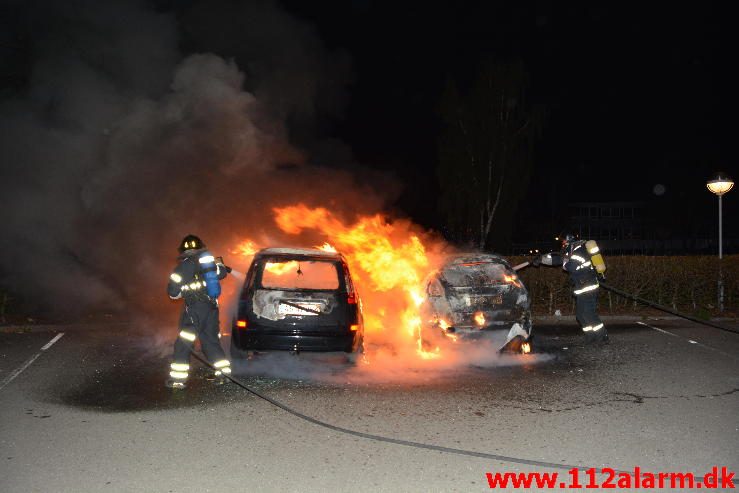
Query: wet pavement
90	413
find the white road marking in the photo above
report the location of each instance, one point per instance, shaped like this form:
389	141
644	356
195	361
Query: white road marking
49	344
19	370
658	329
691	341
28	362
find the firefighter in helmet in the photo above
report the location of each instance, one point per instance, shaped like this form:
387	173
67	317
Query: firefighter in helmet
196	279
584	263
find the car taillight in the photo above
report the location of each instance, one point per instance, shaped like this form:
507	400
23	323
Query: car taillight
351	298
241	324
354	328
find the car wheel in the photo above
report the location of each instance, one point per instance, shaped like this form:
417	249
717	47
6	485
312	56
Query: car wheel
238	354
356	355
518	345
433	337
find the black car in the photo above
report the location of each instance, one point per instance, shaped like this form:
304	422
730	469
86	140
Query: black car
296	300
477	296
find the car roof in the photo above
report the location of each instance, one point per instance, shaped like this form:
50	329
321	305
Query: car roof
300	252
474	257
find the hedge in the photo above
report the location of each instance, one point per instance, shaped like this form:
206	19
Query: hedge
684	283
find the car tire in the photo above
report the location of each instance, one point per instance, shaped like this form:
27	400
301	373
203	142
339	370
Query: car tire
514	345
238	354
433	337
354	357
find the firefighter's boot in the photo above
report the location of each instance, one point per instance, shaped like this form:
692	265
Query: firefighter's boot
175	384
597	338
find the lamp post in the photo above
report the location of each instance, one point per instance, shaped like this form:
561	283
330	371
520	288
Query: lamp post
720	184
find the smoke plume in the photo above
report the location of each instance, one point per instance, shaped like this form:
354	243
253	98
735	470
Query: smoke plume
118	144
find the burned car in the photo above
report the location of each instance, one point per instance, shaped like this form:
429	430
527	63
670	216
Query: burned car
477	296
297	299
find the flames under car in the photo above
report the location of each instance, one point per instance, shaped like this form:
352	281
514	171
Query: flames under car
477	296
298	300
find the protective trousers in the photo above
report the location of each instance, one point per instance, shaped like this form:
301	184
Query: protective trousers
198	321
586	311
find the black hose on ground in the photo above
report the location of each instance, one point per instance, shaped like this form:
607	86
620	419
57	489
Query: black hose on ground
449	450
396	441
666	309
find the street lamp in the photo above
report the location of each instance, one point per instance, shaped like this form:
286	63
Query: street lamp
719	185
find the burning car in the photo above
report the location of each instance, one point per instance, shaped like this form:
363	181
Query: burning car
474	296
298	299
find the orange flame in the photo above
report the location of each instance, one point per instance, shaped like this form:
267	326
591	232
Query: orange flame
246	248
480	318
525	348
513	279
326	247
281	268
387	261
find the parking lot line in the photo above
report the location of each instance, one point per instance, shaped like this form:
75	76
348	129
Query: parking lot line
28	362
51	342
691	341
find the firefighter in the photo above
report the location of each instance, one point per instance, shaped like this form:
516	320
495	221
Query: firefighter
584	263
196	280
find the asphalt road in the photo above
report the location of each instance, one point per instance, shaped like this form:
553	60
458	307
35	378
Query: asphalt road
90	413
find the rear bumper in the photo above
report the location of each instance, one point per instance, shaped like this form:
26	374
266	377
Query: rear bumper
488	334
499	334
493	319
256	339
491	327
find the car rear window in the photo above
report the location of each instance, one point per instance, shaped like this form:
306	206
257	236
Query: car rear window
300	274
475	274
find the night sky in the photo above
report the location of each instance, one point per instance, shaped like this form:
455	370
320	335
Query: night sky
635	95
126	124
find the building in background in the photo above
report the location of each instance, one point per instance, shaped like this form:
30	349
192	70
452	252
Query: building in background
635	228
630	228
611	221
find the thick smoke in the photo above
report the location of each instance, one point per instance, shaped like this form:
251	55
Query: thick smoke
132	128
118	145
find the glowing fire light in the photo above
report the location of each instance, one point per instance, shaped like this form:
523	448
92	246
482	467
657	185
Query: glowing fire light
443	324
513	279
436	353
451	336
246	248
525	348
480	319
281	268
326	247
388	264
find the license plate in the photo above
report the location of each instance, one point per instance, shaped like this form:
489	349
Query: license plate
496	299
284	309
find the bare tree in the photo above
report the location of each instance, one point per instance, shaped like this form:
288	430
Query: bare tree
486	151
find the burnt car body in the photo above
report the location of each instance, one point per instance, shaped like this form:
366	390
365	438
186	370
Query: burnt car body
477	296
296	300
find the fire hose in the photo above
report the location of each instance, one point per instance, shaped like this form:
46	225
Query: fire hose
380	438
665	309
652	304
439	448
